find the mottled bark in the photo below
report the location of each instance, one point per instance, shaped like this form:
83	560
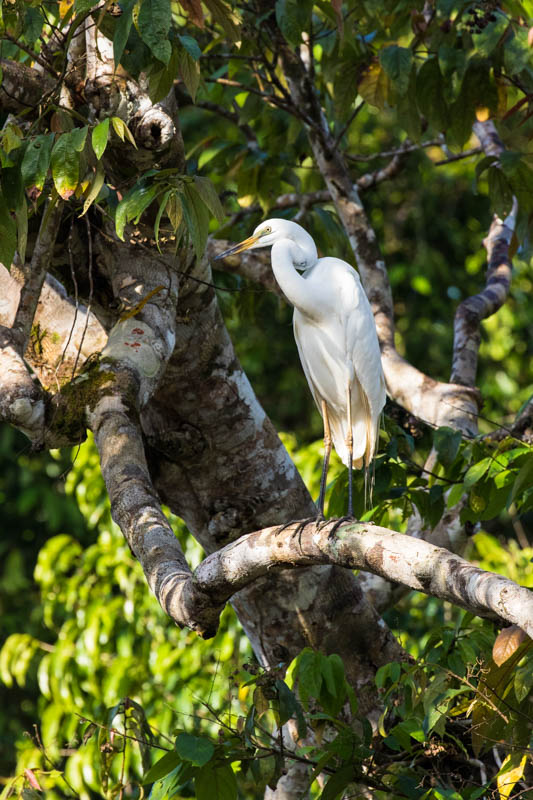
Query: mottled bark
21	400
403	559
22	87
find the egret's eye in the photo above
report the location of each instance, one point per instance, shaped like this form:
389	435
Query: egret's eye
266	230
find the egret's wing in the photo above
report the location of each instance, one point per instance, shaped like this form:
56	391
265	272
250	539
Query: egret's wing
362	348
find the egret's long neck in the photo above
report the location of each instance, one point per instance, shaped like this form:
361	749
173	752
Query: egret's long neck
296	289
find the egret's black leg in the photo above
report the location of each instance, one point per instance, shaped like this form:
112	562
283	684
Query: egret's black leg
323	480
325	464
350	485
349	445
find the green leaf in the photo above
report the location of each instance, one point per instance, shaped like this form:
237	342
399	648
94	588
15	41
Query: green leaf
132	206
337	783
219	783
446	442
454	495
396	61
37	160
524	479
78	137
8	235
191	46
523	681
162	767
99	138
208	193
189	71
293	17
98	182
309	675
195	749
477	471
65	161
122	30
288	704
196	217
154	24
11	180
430	94
161	80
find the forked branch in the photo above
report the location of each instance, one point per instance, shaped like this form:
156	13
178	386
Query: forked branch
394	556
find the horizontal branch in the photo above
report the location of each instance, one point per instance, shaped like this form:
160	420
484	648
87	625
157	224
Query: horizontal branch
412	562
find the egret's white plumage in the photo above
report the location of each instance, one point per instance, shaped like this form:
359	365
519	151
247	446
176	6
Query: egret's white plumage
335	334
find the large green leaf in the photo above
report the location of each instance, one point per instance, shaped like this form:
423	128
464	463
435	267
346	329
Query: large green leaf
154	24
162	767
430	94
36	160
189	71
133	204
196	749
396	61
215	782
209	196
65	161
197	218
122	30
99	138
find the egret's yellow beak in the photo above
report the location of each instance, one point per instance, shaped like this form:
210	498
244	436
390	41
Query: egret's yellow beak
238	248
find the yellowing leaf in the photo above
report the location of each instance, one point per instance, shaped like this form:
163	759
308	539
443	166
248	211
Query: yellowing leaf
64	7
507	642
374	86
122	130
511	771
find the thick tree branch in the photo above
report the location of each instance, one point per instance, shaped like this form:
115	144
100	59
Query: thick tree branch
136	509
22	87
394	556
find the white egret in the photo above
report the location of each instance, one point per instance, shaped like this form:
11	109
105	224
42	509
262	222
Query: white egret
337	341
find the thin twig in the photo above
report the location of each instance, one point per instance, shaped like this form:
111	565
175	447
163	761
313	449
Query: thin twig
91	289
351	118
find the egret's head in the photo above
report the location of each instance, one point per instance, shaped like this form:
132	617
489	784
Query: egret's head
274	230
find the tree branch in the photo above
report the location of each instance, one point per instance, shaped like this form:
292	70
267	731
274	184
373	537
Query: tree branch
396	557
470	312
21	399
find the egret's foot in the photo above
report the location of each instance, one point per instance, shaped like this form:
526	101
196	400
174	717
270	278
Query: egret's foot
340	521
297	532
301	523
